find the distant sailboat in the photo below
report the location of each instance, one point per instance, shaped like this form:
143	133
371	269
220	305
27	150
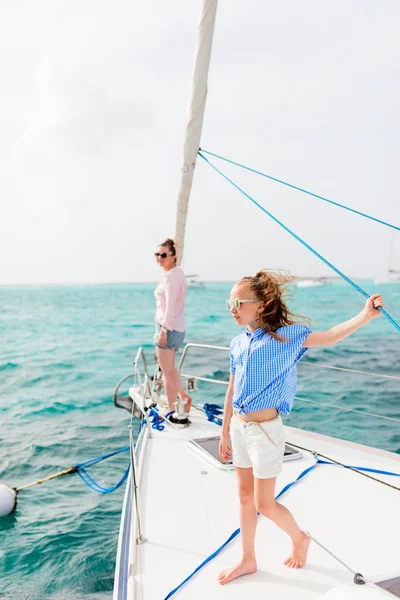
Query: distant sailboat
316	282
194	282
391	275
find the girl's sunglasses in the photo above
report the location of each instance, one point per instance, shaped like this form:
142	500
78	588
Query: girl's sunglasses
236	303
160	254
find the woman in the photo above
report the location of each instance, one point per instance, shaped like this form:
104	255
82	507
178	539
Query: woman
170	322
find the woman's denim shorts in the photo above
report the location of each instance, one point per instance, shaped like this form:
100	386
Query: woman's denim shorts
174	339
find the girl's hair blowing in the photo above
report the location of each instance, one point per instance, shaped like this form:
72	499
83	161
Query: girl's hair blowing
271	287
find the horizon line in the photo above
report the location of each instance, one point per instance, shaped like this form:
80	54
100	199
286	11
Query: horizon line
141	282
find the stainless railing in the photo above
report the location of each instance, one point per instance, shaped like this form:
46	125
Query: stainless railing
140	361
193	378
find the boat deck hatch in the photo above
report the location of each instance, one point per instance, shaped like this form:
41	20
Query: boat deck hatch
391	585
210	445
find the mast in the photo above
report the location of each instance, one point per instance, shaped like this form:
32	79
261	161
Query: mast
194	124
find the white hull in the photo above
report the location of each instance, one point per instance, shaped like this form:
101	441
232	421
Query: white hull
190	507
196	284
310	283
387	281
390	277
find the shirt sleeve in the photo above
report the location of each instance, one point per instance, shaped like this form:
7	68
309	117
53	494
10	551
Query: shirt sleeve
232	361
172	290
298	334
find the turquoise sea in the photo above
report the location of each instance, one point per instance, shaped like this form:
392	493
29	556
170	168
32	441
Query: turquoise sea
63	349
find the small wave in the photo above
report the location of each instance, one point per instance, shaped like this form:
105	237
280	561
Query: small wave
9	365
56	408
35	380
219	374
62	365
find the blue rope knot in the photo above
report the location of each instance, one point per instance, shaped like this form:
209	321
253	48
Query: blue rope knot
212	410
155	420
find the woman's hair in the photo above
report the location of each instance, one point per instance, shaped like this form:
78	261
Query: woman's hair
272	288
170	244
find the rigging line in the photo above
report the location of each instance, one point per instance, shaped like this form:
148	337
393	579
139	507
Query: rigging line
334	406
358	470
358	578
341	408
299	239
295	187
311	364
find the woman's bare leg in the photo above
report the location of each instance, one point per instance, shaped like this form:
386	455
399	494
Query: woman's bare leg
172	382
182	393
166	359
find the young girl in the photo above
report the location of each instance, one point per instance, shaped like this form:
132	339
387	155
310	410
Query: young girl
262	387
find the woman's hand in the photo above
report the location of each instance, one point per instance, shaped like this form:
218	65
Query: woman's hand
371	306
162	339
225	451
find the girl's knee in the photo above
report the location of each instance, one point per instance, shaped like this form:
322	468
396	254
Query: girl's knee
246	494
266	507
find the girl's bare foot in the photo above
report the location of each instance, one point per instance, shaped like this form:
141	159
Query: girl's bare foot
243	568
299	552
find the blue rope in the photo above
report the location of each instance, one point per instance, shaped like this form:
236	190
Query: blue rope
235	534
299	239
94	461
156	420
283	491
295	187
366	469
88	479
96	487
212	411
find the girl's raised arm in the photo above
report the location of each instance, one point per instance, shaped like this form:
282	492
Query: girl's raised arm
339	332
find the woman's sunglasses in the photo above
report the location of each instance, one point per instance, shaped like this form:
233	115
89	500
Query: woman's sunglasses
236	303
160	254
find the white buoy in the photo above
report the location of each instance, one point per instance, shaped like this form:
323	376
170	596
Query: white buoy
8	500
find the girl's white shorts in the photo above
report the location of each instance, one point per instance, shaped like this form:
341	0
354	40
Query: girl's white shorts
258	445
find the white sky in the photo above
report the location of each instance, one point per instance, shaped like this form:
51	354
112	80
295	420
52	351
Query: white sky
93	102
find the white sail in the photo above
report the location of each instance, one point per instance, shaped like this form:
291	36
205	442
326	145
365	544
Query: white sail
389	274
196	114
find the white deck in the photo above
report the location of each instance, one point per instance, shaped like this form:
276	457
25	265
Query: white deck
190	507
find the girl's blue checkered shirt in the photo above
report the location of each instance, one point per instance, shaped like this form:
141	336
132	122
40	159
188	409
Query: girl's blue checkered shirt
265	369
